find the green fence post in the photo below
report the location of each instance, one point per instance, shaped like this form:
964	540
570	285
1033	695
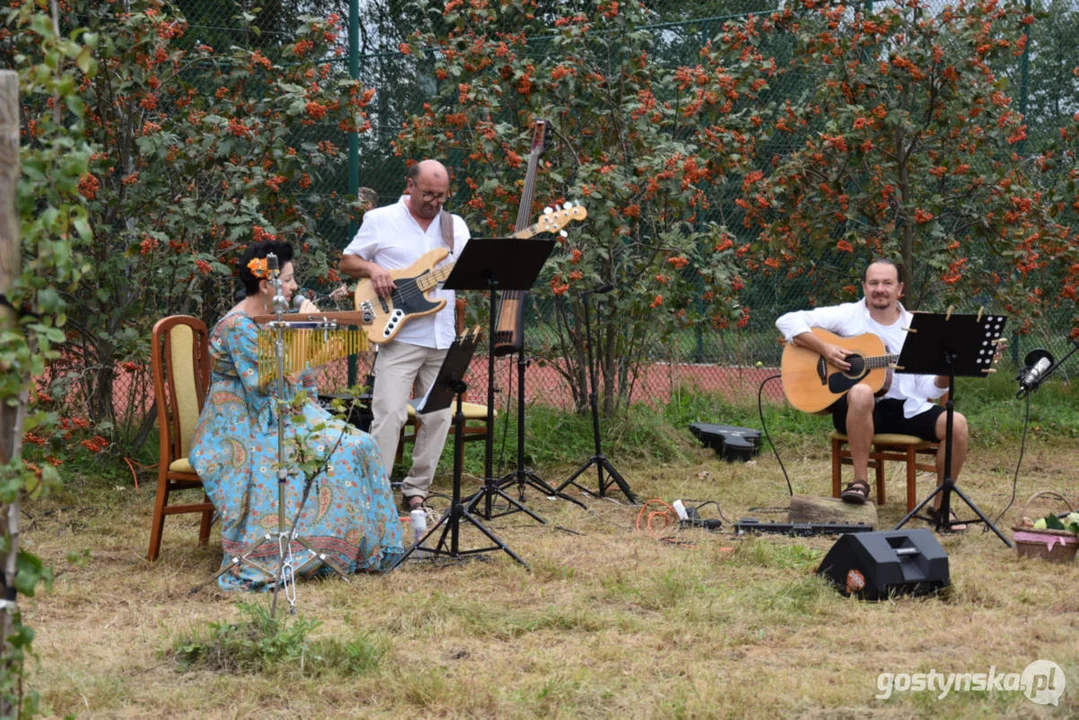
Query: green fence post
353	137
1024	91
1024	70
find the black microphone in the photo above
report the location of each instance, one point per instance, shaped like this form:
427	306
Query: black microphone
305	294
1038	363
280	305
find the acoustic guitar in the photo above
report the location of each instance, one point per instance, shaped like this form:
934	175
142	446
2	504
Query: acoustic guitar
387	315
812	384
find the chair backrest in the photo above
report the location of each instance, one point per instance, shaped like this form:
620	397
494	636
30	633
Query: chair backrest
181	365
459	315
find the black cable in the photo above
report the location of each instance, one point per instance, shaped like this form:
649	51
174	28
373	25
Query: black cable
760	411
722	517
1015	479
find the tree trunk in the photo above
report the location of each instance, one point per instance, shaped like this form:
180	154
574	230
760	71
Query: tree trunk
11	415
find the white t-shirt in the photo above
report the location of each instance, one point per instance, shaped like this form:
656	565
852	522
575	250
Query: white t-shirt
850	319
391	238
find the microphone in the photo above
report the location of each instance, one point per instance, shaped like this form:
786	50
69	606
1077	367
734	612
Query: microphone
1038	364
304	294
280	305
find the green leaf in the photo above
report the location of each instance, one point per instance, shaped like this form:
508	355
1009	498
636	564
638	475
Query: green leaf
85	60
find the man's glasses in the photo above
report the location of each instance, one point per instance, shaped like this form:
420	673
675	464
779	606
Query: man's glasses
434	197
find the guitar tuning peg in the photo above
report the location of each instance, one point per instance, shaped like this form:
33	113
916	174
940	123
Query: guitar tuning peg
547	210
563	233
567	205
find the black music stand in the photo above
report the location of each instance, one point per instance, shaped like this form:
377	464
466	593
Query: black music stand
494	265
448	385
950	344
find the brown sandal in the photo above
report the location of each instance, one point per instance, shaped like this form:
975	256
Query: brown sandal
857	492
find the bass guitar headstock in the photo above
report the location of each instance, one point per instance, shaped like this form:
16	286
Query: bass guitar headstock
558	217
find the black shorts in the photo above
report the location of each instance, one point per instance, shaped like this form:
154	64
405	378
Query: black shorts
888	418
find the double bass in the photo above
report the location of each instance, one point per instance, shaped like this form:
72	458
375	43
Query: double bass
509	326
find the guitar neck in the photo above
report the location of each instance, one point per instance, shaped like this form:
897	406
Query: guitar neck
429	280
880	361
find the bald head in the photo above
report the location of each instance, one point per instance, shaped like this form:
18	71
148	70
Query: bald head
428	188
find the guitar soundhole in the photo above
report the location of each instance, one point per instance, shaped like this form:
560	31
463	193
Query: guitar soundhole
857	366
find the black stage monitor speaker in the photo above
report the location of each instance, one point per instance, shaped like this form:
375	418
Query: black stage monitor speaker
730	442
876	565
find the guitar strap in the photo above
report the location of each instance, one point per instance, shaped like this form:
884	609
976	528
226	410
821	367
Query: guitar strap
445	220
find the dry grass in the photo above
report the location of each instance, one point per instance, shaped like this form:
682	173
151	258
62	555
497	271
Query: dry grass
609	623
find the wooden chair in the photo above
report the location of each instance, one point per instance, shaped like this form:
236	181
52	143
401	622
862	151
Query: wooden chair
181	367
475	413
886	446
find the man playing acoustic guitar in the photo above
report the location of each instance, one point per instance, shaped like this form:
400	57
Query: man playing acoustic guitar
903	404
392	238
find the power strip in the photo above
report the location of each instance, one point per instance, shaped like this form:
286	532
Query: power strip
699	523
693	520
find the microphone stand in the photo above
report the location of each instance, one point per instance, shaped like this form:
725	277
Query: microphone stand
598	458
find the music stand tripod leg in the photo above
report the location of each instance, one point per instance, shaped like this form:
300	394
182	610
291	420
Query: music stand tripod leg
488	493
451	519
499	545
947	486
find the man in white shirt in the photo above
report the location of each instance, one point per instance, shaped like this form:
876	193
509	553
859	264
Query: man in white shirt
903	407
392	238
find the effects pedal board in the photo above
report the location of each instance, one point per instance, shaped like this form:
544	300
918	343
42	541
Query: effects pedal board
752	525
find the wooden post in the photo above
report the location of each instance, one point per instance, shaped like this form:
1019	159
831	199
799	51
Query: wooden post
11	417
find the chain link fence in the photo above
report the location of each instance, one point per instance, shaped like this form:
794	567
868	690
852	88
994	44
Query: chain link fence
731	362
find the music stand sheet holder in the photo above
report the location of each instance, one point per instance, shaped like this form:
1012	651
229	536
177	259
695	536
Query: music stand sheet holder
494	265
953	345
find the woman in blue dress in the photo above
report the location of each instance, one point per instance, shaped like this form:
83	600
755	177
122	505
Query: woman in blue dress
349	515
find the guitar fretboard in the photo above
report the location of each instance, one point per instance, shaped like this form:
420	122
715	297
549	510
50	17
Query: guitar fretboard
880	361
428	281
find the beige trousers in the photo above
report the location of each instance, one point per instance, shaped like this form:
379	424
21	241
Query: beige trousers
398	367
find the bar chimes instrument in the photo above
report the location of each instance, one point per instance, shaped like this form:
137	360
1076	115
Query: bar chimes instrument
310	340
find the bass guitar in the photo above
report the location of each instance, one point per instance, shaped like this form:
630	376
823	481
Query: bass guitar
410	299
812	384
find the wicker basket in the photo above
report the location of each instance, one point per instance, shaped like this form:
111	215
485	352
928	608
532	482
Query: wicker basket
1057	546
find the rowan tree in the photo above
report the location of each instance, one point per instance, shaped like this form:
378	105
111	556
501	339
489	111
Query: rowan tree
903	142
197	151
633	140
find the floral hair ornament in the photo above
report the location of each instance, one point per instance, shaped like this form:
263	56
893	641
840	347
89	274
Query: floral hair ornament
259	268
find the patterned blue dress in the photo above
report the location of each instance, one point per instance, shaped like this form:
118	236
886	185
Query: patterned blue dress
349	515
